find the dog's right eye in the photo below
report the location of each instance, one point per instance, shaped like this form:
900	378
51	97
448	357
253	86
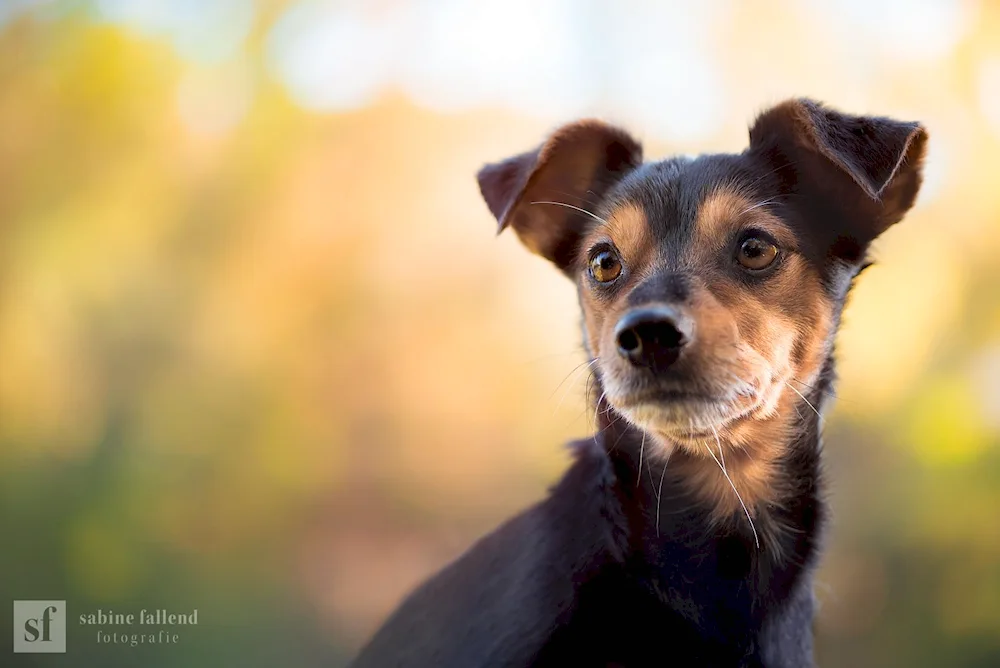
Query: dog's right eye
605	266
757	253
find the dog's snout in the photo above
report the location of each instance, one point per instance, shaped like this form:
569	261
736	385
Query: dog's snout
652	337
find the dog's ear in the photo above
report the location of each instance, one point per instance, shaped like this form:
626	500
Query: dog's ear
548	195
865	170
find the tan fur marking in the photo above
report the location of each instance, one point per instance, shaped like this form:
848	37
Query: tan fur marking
718	212
726	208
629	229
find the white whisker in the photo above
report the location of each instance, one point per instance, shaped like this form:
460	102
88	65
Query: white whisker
758	205
642	446
574	371
597	407
610	424
576	374
597	424
731	484
659	495
817	389
805	400
576	208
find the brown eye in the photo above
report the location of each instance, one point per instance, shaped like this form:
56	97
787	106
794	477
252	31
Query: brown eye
605	266
756	253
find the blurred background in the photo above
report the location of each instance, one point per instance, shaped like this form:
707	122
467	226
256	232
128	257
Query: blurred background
262	355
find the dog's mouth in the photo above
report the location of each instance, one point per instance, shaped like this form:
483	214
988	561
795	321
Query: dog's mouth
668	396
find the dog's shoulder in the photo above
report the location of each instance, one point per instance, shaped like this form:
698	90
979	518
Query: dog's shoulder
499	603
586	506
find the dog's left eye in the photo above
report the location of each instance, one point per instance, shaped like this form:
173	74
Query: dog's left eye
756	253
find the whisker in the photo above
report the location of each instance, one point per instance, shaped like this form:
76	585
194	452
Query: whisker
567	376
594	203
642	446
818	389
731	484
575	208
597	407
575	372
765	202
610	425
659	496
618	440
767	174
593	382
592	379
597	411
792	388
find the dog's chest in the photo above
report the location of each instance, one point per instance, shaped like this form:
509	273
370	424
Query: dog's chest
631	623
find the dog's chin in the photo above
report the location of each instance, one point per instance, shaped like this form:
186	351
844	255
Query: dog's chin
682	418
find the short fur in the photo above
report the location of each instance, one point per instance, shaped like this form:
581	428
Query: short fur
687	529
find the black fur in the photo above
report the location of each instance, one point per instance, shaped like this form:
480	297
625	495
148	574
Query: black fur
619	565
585	578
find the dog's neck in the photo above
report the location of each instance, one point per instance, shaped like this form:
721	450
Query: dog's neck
765	488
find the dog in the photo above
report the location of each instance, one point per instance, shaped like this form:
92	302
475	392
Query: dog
687	530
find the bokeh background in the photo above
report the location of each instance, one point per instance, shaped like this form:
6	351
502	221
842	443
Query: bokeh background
262	355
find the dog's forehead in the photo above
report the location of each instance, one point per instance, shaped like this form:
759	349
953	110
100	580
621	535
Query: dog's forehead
684	200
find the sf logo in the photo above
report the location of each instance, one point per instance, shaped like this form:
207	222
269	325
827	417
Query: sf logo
39	626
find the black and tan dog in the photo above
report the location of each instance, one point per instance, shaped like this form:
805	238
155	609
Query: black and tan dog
686	531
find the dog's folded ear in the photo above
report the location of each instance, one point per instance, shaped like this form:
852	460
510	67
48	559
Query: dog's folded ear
549	195
865	169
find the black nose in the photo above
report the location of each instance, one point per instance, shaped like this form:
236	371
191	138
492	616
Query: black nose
653	336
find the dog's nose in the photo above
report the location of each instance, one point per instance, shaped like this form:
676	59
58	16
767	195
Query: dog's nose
653	336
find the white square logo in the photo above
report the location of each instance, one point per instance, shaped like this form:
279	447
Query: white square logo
39	627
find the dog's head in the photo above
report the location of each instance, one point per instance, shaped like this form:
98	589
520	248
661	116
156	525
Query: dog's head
711	287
